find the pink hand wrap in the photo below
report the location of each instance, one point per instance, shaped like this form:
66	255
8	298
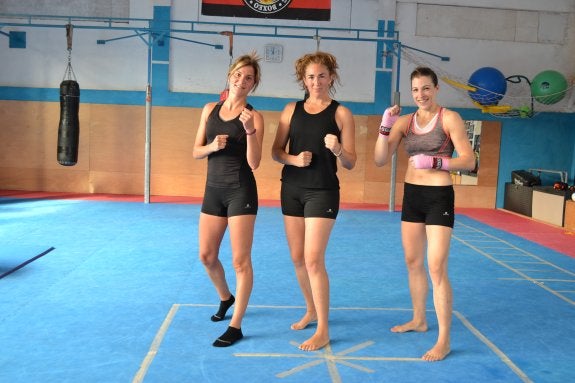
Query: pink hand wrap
422	161
387	121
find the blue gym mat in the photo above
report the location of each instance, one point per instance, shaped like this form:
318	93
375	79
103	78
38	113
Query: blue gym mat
120	296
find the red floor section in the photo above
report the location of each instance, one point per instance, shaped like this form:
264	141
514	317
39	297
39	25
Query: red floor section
553	237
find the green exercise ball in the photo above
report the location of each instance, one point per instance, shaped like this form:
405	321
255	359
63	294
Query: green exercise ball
549	87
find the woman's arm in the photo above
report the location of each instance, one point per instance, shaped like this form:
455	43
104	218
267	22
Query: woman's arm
254	126
201	148
279	152
389	136
455	126
346	152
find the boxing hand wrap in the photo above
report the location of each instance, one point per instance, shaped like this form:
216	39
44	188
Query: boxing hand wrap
422	161
387	121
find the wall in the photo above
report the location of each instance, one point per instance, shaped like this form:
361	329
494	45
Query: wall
518	38
81	8
111	155
187	75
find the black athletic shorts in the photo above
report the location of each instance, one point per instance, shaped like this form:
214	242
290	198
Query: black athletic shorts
432	205
304	202
229	202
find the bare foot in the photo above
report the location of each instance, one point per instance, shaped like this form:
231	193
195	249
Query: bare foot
410	326
437	353
304	321
314	343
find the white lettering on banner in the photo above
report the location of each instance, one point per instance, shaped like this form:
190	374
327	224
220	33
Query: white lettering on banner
267	6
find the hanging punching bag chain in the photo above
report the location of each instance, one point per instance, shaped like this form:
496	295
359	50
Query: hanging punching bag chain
69	128
69	73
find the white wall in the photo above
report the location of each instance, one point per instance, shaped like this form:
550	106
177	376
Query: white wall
121	65
516	37
191	63
103	8
534	35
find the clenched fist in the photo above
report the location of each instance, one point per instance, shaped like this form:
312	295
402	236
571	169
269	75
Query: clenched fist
219	142
303	159
332	143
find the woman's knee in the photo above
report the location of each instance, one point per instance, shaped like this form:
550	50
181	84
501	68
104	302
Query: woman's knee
414	262
208	258
242	263
437	274
298	259
314	265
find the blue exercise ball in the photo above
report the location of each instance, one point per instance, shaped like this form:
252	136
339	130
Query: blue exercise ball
490	85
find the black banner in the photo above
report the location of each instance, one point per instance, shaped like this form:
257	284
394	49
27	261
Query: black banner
319	10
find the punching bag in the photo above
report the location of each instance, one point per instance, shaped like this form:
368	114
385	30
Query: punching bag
69	129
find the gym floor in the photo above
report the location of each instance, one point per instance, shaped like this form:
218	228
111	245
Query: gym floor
109	289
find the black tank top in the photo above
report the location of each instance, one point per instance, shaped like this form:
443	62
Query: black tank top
307	132
227	167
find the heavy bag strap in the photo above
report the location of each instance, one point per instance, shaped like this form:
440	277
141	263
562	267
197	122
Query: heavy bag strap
69	73
69	35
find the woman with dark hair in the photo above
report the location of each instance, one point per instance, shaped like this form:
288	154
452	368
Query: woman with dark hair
430	135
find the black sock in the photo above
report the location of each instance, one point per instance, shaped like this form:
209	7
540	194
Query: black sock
224	306
231	336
